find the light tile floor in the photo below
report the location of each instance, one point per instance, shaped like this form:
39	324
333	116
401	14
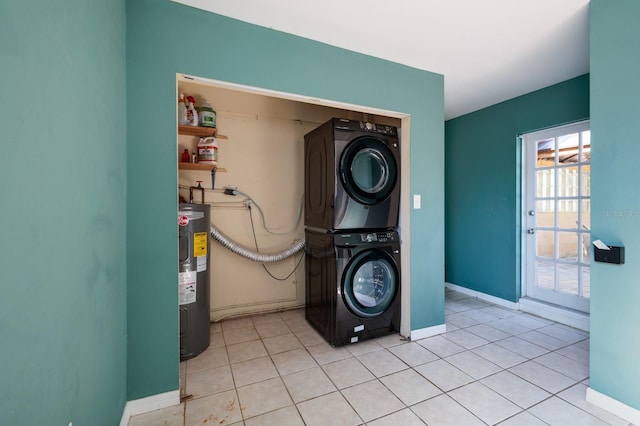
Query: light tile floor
493	366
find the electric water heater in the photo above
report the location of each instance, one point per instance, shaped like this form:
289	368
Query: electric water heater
193	278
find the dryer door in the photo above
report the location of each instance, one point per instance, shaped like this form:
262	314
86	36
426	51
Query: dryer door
368	170
370	283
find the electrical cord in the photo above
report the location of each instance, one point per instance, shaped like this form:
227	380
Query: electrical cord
255	240
231	191
264	222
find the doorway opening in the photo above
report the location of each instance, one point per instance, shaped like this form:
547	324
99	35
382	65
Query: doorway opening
240	109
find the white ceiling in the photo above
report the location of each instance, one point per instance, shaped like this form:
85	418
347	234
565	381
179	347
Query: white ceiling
488	50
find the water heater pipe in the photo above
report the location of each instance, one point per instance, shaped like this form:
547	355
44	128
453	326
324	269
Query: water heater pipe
198	188
227	243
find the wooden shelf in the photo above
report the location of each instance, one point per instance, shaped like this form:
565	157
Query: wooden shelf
202	132
200	167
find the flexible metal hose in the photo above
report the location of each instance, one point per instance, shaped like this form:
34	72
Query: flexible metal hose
227	243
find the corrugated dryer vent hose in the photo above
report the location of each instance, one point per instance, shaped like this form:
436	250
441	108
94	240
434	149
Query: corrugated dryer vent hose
238	249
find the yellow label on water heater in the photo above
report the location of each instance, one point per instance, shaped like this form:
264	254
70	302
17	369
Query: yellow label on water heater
200	244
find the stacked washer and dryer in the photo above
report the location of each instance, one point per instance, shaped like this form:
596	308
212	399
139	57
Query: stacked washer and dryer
352	195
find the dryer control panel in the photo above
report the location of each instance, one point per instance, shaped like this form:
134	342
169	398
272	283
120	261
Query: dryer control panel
365	126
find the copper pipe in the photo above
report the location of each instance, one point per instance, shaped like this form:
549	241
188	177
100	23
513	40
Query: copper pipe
199	188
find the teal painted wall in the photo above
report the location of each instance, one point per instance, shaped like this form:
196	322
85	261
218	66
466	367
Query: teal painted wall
615	291
62	222
164	38
482	184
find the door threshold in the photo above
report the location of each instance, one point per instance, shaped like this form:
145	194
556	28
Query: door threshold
566	316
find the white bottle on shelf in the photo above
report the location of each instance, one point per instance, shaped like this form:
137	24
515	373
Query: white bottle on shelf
208	151
182	111
192	114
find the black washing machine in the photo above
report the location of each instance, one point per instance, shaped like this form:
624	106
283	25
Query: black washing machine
353	284
352	176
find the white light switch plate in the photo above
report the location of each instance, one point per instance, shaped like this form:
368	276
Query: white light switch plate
417	201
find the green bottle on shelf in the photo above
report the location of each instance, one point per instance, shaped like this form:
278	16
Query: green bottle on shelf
207	115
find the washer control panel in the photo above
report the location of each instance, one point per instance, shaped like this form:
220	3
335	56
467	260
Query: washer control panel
378	237
364	238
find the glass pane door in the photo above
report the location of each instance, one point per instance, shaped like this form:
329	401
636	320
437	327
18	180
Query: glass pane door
556	223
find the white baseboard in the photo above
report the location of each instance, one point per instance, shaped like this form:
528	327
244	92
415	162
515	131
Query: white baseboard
423	333
568	317
613	406
150	403
483	296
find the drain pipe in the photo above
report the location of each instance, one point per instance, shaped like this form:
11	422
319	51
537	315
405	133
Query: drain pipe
240	250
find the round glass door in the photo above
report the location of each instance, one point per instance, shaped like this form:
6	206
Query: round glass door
370	283
368	170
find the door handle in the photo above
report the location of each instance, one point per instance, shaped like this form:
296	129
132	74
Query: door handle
531	231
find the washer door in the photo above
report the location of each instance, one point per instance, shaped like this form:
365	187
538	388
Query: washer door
368	170
370	283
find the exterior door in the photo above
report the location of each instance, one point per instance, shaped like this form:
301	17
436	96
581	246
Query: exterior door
556	216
